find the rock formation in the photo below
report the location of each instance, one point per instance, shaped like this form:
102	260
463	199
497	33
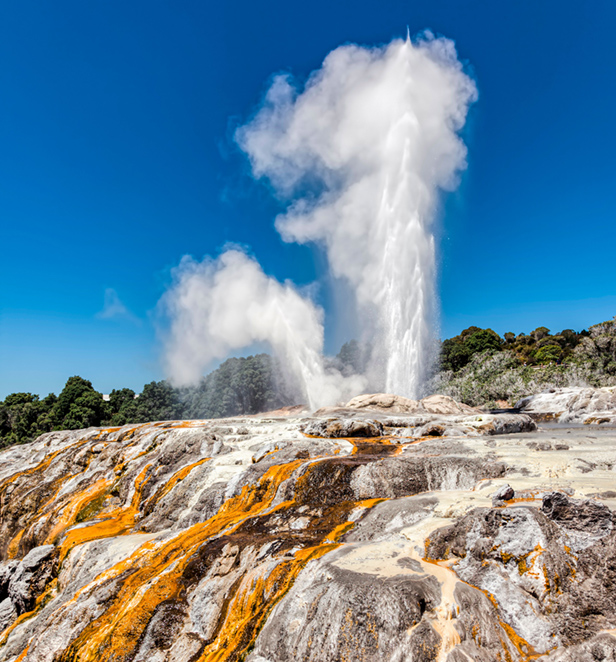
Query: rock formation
367	534
573	405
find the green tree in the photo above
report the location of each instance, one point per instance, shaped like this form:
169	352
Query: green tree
238	386
540	332
158	401
23	417
548	353
79	406
457	352
483	340
123	407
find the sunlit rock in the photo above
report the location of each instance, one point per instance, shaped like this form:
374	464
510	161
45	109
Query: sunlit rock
363	535
573	405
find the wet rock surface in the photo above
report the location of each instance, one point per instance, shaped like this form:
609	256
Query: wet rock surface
362	535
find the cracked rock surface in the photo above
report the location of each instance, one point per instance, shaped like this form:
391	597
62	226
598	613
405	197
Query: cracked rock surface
369	533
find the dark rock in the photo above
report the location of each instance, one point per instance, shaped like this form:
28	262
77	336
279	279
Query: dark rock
505	493
343	428
586	516
7	570
431	430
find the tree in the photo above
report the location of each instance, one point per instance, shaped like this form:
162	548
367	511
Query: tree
540	332
23	417
238	386
158	401
457	352
483	340
548	354
79	406
351	358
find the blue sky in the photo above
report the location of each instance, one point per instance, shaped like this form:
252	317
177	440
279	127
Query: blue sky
116	159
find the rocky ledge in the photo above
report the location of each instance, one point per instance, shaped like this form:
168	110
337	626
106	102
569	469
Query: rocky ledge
365	533
588	406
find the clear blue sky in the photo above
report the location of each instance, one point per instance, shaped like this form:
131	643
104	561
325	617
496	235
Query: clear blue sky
116	159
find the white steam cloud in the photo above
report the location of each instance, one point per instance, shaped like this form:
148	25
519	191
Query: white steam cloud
361	153
218	306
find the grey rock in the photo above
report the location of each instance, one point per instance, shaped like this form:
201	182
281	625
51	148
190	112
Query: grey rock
344	428
201	550
31	576
601	648
333	614
8	614
573	405
524	559
584	520
505	493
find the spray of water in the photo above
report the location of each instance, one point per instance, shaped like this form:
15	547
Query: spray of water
376	129
360	154
219	306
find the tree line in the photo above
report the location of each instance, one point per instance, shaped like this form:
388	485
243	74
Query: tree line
537	348
480	368
476	366
239	386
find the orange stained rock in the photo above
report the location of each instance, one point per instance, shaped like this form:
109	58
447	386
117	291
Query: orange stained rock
252	604
70	510
364	444
23	655
339	531
114	523
13	548
13	545
368	503
105	431
526	651
154	575
173	481
41	466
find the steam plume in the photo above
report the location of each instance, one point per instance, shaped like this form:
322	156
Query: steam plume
217	306
360	154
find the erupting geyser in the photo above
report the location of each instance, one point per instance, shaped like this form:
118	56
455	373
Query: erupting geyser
360	153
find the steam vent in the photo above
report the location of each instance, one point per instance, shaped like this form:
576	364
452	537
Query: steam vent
388	529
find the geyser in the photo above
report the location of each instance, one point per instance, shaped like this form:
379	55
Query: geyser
359	154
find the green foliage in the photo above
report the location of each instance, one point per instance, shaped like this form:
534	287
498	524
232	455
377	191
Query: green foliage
531	364
537	348
598	347
158	401
23	417
457	352
540	332
124	409
549	353
79	406
478	367
239	386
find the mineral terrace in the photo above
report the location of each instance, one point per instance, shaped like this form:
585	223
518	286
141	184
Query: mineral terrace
384	530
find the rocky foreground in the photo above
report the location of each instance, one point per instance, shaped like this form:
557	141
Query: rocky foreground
385	530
